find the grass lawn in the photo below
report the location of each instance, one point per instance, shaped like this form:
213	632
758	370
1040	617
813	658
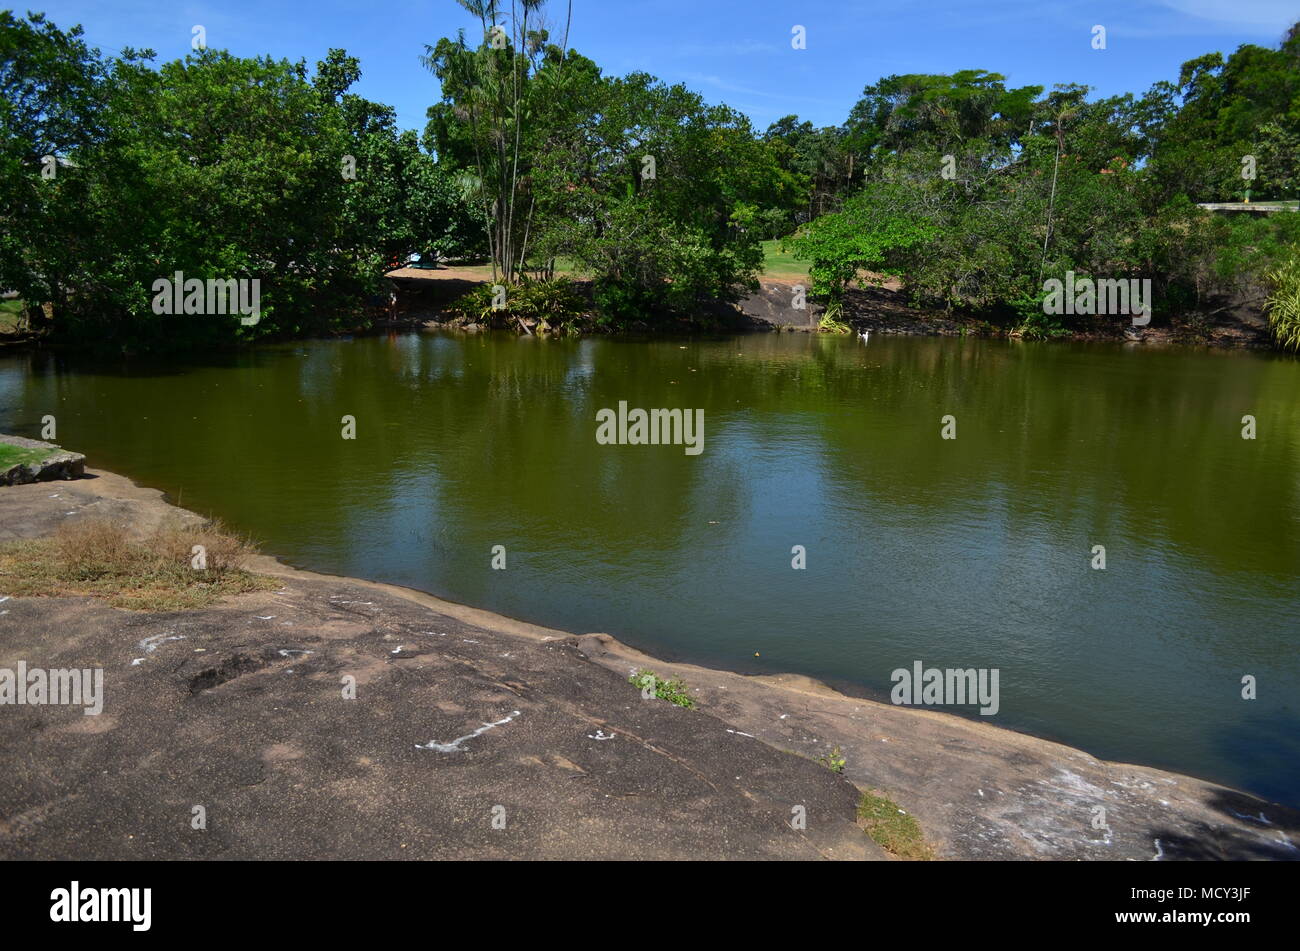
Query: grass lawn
777	263
15	455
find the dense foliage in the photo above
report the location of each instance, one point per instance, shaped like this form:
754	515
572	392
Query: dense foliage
116	172
641	185
974	193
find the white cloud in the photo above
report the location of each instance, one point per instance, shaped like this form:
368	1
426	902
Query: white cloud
717	82
1270	15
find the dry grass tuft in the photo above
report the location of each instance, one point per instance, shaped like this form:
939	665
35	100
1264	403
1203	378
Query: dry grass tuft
99	558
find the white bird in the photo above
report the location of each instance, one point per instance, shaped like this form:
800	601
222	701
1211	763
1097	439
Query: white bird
864	335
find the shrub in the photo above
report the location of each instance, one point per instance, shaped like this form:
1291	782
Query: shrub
1283	304
474	306
1032	323
674	691
554	304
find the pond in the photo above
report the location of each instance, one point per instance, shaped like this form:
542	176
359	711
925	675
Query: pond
971	552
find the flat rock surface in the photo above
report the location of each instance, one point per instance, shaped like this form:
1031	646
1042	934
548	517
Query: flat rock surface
984	792
239	709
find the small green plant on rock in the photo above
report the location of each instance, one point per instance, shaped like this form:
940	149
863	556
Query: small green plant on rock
834	760
674	691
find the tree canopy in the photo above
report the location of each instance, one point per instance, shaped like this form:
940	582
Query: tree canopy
116	171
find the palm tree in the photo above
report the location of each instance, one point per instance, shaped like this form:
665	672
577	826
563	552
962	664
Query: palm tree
491	82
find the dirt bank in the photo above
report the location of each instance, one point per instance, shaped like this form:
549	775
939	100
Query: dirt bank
782	303
463	717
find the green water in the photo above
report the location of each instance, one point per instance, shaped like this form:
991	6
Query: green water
973	552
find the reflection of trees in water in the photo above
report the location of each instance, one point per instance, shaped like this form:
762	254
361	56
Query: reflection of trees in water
1105	441
1099	439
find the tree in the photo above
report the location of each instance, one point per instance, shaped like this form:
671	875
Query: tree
972	192
651	192
481	122
218	167
51	103
821	161
1245	105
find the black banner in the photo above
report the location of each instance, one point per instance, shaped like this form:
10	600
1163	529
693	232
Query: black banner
919	900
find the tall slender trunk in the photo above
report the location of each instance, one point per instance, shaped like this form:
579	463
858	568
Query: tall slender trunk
1051	198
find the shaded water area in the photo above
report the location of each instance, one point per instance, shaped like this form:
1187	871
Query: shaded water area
973	552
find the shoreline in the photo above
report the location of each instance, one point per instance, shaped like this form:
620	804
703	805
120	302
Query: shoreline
979	791
881	309
421	297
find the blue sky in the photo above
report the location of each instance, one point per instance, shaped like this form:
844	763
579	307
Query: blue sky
733	51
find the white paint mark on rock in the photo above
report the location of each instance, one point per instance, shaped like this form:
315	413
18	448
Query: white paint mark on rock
454	745
152	643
